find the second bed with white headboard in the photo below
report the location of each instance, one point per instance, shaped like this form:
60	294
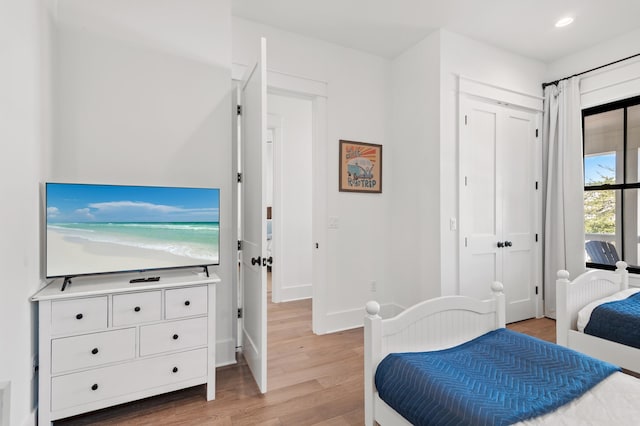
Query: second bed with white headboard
574	295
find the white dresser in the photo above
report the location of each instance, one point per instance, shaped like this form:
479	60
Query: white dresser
104	341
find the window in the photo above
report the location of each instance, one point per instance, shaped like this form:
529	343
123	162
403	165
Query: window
611	183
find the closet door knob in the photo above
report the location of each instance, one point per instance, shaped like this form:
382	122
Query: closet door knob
137	309
94	351
79	316
94	387
175	337
256	260
187	303
508	243
175	369
500	244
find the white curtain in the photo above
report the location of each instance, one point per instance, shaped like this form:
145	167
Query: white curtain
563	186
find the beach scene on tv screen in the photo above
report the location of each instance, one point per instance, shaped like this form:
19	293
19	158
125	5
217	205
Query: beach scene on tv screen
104	228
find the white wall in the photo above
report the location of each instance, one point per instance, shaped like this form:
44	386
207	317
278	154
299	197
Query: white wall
143	96
414	248
292	238
23	128
358	109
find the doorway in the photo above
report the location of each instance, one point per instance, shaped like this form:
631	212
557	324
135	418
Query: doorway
315	92
289	194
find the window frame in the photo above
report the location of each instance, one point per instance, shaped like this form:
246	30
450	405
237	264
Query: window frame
623	104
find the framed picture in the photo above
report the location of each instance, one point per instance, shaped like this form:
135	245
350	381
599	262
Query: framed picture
360	167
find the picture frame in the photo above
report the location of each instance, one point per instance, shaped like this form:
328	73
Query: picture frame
360	167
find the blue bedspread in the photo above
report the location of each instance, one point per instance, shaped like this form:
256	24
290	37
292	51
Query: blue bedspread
499	378
618	321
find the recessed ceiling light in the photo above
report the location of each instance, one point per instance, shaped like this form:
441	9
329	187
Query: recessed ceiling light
564	22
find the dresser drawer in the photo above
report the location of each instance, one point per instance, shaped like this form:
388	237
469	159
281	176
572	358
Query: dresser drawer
90	350
186	302
108	382
136	308
174	335
78	315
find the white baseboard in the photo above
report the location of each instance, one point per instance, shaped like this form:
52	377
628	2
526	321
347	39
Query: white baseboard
299	292
225	352
354	318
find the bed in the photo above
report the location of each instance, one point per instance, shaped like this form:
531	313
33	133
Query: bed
572	296
447	322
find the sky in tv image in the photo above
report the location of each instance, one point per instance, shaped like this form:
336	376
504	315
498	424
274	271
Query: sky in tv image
109	203
108	228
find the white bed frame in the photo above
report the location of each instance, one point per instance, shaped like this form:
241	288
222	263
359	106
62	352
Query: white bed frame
434	324
571	296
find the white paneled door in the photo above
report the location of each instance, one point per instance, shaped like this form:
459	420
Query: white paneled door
254	215
500	204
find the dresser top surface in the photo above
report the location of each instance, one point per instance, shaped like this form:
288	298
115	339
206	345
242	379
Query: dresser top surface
120	283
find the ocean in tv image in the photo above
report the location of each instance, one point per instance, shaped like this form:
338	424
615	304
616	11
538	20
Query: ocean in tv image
110	228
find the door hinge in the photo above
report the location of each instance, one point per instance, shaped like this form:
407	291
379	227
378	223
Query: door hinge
239	109
536	289
536	133
536	185
466	182
239	177
465	120
466	242
240	312
536	238
239	245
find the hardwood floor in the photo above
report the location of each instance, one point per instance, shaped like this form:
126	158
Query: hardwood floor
312	380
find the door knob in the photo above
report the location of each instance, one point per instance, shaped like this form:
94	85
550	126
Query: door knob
270	261
256	260
500	244
508	243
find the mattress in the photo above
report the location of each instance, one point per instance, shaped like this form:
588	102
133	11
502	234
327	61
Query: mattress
614	401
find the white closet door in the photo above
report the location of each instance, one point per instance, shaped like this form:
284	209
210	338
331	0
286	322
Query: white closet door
480	210
498	204
519	213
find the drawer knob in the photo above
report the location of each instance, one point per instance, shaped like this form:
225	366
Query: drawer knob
175	369
79	316
94	351
94	387
175	337
137	309
187	303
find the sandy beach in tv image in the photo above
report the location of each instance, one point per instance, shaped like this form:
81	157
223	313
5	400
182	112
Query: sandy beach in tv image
105	228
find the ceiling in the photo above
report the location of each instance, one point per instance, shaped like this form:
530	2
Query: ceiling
388	27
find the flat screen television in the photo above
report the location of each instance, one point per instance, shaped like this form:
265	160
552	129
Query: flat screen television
97	229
